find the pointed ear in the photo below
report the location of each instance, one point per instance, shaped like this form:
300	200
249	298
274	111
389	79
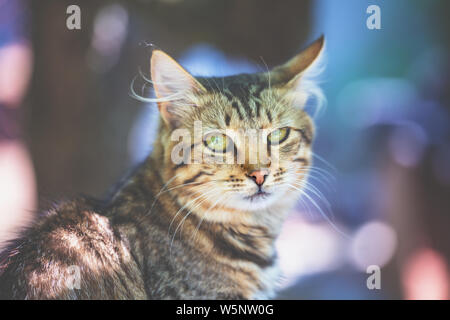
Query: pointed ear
174	87
297	77
299	65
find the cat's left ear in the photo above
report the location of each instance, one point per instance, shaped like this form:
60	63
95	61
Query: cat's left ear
306	62
174	87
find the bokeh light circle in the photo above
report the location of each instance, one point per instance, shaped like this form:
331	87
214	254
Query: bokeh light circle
373	244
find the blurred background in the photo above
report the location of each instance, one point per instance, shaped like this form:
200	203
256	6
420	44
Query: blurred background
382	177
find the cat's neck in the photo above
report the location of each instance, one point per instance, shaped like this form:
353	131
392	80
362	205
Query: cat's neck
146	197
152	219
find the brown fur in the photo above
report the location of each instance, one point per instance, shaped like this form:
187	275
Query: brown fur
153	239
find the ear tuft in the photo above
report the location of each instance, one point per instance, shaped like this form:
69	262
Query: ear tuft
174	86
169	77
298	76
299	64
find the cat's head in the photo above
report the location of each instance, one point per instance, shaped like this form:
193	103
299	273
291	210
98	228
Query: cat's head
240	143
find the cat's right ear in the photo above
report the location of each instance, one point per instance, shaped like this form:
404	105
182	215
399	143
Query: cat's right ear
299	66
298	77
174	87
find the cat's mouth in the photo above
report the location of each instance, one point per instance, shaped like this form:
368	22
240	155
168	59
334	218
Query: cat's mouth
259	195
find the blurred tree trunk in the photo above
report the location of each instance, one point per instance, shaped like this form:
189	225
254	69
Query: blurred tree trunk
274	30
65	124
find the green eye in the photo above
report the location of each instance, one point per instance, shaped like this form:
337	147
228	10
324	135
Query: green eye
278	136
217	142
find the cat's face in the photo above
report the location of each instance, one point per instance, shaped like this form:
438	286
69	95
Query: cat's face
237	144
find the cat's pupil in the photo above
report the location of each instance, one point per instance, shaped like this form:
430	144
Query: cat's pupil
217	143
276	135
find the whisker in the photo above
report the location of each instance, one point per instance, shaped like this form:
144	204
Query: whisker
183	207
185	217
204	215
321	170
321	211
316	192
329	165
312	170
199	183
160	191
319	178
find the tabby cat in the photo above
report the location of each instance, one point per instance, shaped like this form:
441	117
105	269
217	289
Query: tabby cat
184	230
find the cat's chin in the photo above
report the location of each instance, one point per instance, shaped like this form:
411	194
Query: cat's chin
257	201
281	197
260	204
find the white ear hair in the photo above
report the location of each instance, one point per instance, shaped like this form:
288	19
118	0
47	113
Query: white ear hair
169	78
300	75
306	84
174	87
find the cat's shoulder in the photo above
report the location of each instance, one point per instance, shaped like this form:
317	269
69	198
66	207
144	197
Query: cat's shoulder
64	224
59	236
77	214
72	237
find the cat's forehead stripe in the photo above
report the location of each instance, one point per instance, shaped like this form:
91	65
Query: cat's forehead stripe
243	92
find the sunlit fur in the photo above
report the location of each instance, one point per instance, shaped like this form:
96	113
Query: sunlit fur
269	110
186	231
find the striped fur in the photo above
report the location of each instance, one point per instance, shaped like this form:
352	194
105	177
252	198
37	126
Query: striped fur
180	231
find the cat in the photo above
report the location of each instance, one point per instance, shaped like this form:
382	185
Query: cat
184	230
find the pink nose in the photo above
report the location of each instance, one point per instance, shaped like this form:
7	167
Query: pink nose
259	176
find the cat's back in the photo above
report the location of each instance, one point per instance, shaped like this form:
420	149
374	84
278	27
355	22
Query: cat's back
72	253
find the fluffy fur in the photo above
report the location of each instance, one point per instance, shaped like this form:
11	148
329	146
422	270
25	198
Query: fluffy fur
182	230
